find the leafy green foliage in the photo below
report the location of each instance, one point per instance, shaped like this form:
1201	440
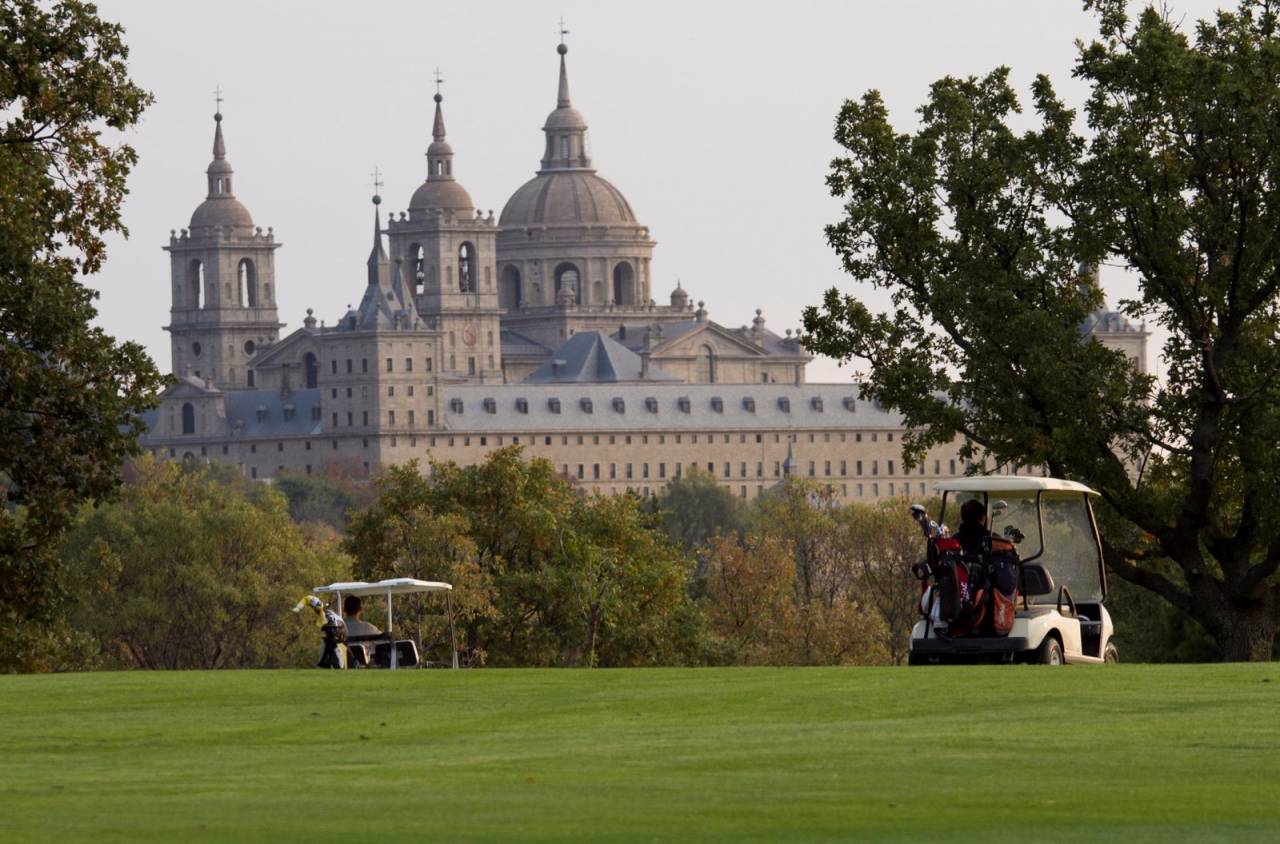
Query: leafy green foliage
186	571
976	232
542	576
70	396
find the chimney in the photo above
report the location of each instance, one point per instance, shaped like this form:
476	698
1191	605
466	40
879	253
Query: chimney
644	365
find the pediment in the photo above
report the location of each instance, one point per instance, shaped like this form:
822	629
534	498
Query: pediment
296	345
723	342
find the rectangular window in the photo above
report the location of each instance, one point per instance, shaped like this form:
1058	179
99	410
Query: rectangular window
428	364
333	366
629	475
742	470
348	366
662	470
350	419
364	364
953	467
613	471
595	471
364	418
335	420
391	390
391	417
431	417
890	468
408	364
812	470
875	467
760	470
843	469
333	393
389	367
411	419
826	468
279	446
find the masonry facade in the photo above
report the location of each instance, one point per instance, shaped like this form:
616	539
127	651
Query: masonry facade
536	328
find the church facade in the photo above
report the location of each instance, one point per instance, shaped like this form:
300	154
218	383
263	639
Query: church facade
538	328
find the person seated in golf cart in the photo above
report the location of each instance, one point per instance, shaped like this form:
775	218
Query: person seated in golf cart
356	626
973	534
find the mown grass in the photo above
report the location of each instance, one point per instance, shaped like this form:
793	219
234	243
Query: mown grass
1071	754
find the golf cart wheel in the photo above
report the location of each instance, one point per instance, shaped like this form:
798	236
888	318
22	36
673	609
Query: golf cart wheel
1049	652
1110	654
914	658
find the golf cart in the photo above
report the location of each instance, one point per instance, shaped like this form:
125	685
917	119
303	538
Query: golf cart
1032	590
383	649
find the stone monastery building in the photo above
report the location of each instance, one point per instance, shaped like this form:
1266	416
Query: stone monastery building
539	329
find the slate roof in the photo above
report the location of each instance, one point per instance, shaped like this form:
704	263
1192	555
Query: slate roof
593	357
659	406
243	406
515	343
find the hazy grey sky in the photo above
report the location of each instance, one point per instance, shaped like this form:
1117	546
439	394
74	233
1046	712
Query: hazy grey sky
714	119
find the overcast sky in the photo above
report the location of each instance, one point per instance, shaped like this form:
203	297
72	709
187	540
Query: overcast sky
714	119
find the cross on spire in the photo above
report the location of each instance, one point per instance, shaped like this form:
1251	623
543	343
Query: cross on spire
439	79
377	180
217	98
563	31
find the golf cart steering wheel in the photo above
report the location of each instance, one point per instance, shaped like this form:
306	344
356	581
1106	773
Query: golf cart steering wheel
1064	592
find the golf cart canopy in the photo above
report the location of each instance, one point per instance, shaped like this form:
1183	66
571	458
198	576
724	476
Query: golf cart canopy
1012	484
395	586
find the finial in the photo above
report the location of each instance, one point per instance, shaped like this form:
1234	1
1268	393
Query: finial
377	185
439	79
563	48
217	100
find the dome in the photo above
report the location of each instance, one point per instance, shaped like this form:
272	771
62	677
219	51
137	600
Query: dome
445	194
221	211
567	197
565	117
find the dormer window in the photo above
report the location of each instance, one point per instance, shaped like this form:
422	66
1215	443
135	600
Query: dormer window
683	404
522	405
455	406
717	404
490	406
553	405
816	403
784	404
619	406
849	404
749	404
651	404
585	404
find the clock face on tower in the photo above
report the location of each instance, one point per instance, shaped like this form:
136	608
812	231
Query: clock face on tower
468	335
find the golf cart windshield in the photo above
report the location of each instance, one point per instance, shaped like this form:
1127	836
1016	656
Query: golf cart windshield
1070	547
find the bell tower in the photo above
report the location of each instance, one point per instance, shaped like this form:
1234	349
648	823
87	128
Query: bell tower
448	252
223	284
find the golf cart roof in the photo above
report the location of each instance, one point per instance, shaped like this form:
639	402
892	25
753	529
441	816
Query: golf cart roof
395	586
1012	483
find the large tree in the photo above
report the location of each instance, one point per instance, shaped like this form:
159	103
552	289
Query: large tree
976	230
70	396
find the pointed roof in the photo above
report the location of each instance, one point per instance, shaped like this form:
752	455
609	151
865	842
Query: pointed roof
387	303
440	190
566	128
594	357
220	207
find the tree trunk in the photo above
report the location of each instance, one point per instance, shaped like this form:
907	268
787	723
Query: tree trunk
1248	633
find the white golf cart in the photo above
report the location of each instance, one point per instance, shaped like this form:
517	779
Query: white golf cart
383	649
1059	614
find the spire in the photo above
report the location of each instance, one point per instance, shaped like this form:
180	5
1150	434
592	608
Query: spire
562	98
439	154
377	257
219	171
565	128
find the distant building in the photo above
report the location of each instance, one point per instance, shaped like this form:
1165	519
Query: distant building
537	328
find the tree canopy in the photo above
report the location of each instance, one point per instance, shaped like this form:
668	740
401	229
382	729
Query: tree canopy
70	395
978	232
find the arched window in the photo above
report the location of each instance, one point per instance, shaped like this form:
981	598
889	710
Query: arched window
624	285
509	288
567	275
705	366
195	283
188	418
416	258
312	367
248	275
564	148
467	268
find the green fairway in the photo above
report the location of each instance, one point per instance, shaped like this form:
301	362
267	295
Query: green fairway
1072	754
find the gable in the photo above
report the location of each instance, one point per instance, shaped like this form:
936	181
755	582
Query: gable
723	343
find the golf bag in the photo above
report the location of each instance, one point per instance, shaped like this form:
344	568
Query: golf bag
334	630
968	593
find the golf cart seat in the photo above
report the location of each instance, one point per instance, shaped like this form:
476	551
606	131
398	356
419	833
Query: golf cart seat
406	654
1036	580
357	656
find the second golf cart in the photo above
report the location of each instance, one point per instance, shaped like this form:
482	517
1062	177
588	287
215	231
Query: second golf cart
1040	534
